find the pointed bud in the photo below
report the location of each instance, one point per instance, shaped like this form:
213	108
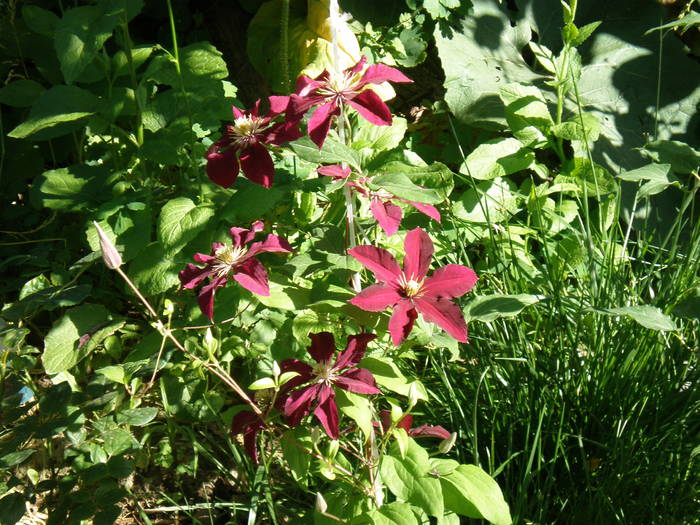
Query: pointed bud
321	505
315	435
110	255
276	370
413	395
446	444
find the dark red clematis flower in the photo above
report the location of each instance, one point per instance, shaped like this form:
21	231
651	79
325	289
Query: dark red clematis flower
388	215
243	145
316	383
330	90
409	291
407	420
248	424
237	261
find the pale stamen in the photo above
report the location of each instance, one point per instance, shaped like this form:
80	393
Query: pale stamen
244	130
410	287
226	259
324	372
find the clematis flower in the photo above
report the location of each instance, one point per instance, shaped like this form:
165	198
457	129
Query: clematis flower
388	215
242	147
316	383
407	420
248	424
237	261
409	291
330	91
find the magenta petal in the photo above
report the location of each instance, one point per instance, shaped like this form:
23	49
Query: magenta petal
248	424
376	298
427	209
192	275
419	253
257	165
388	215
294	365
430	431
237	113
278	105
379	261
272	243
222	168
327	412
378	73
322	346
252	276
450	281
360	381
298	404
205	298
358	67
371	107
305	85
354	352
320	122
242	236
401	322
336	171
445	314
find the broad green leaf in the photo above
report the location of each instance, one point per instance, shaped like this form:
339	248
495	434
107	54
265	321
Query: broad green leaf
584	33
479	58
659	178
295	456
527	114
21	93
492	201
646	315
139	55
47	299
180	221
402	187
71	337
681	157
395	513
118	440
137	417
285	295
40	20
333	152
251	201
70	189
358	408
12	508
131	232
594	181
201	65
691	19
573	130
471	492
408	479
57	111
497	158
80	35
379	138
114	373
490	307
435	176
154	272
388	376
15	458
308	321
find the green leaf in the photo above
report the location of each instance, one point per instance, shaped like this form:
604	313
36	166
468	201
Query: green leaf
333	152
137	417
527	114
80	35
285	295
584	33
47	299
12	508
401	186
497	158
74	335
471	492
358	408
572	129
308	321
395	513
70	189
407	478
646	315
492	201
691	19
114	373
681	157
40	20
118	440
180	221
659	178
57	111
201	65
490	307
388	376
435	176
690	306
262	384
15	458
21	93
595	179
153	272
295	456
479	58
379	138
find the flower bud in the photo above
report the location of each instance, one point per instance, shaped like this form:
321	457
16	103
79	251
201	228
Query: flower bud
446	444
321	505
110	255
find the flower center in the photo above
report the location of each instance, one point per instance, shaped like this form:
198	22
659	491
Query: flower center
410	287
244	130
324	372
342	84
227	257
